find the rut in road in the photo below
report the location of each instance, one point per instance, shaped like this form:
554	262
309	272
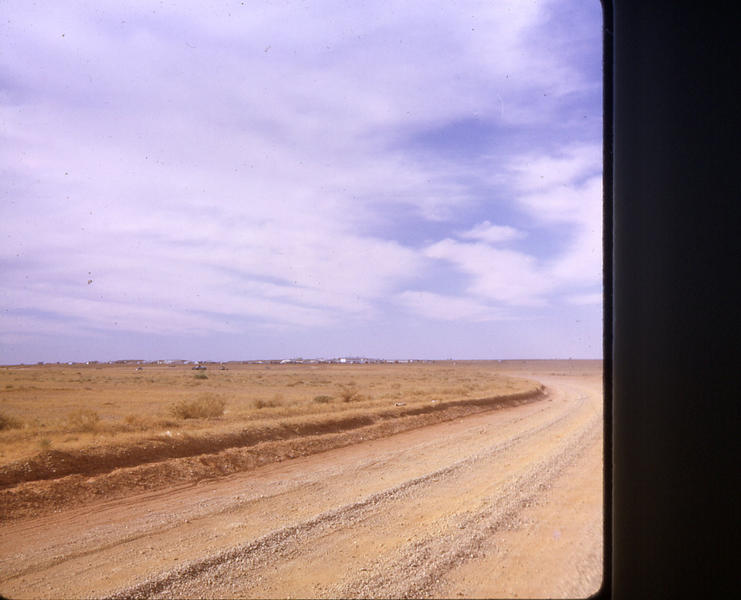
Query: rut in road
424	562
414	560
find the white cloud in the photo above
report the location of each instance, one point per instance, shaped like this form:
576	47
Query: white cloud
242	163
492	234
303	277
504	275
581	299
447	308
537	176
576	207
562	192
16	328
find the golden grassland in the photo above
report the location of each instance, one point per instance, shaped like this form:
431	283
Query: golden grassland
67	408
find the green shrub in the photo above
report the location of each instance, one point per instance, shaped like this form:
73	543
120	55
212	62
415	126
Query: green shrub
200	376
322	399
204	407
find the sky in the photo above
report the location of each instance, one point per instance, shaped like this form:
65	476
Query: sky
244	180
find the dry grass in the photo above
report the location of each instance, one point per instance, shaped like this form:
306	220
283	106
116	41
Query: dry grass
78	406
7	422
349	394
83	419
205	406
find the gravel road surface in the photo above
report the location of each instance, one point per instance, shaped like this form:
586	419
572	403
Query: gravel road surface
506	503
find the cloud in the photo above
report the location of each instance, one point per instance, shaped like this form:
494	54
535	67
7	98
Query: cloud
581	299
537	175
507	276
308	279
560	193
214	170
492	234
447	308
566	192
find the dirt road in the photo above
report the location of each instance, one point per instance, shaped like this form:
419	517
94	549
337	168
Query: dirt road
500	504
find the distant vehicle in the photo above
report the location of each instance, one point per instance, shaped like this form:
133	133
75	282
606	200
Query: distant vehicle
198	368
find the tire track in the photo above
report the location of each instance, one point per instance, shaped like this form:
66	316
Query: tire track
286	543
424	563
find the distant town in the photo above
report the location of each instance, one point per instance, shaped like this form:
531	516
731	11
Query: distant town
342	360
345	360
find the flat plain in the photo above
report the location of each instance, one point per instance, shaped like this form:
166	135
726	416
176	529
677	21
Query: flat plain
443	479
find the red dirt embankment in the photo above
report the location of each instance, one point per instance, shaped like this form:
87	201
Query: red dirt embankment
55	478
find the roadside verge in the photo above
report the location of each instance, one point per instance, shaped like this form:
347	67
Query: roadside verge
56	479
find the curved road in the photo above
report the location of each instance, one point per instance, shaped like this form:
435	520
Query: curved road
505	503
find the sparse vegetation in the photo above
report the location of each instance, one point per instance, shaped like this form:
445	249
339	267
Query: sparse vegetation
349	393
203	407
200	376
275	401
123	408
136	422
8	422
83	419
147	423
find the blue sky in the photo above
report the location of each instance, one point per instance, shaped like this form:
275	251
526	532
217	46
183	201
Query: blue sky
236	180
